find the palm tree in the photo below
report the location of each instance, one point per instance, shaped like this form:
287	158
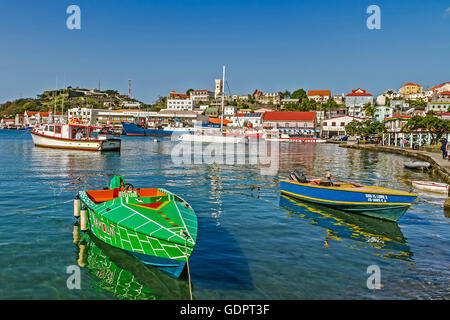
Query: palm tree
369	109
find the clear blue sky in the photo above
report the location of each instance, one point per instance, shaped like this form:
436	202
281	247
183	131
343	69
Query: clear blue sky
266	45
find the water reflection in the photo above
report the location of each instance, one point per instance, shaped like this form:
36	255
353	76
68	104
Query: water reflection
379	234
123	275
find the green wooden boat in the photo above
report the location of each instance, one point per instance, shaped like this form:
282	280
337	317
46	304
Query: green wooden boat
121	274
152	224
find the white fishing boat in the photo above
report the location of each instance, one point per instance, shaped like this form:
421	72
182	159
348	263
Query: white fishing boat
430	186
74	136
211	135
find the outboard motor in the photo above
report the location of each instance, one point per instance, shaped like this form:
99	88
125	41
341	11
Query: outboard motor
297	175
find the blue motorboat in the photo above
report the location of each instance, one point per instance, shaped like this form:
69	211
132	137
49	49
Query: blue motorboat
378	202
132	129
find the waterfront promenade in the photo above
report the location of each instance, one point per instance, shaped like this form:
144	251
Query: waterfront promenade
440	166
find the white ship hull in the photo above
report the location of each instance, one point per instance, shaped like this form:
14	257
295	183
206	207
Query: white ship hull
61	143
211	138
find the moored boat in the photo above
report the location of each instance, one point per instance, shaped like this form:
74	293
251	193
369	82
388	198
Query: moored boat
378	202
430	186
152	224
298	136
73	136
132	129
417	164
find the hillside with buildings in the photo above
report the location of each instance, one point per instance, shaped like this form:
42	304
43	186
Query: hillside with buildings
59	101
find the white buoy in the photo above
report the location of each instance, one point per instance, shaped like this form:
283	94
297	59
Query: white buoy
76	206
83	219
155	140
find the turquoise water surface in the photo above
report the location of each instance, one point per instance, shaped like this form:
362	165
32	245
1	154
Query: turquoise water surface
252	242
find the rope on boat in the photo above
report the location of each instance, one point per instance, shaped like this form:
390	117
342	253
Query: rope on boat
44	207
187	261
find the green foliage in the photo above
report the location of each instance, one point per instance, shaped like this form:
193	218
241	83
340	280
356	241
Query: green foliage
365	129
369	109
417	104
299	94
436	126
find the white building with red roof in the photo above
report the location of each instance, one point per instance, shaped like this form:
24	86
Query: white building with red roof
439	102
321	96
355	102
437	89
290	119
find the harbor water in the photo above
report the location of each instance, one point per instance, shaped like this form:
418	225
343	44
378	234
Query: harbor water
252	243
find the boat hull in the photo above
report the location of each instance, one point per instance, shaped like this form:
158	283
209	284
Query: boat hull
61	143
430	186
301	140
207	138
131	129
126	228
378	204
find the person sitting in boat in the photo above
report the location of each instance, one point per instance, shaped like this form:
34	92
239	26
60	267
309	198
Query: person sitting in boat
328	183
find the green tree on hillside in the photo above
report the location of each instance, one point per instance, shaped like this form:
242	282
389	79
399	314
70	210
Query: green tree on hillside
299	94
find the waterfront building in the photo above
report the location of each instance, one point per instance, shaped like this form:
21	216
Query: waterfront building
33	118
355	102
180	104
383	112
335	126
439	102
7	123
177	118
115	117
83	115
201	95
394	126
255	120
321	96
290	119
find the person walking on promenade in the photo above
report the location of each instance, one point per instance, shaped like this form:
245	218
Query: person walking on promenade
444	148
446	152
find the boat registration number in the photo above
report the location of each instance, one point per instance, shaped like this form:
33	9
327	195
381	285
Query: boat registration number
377	197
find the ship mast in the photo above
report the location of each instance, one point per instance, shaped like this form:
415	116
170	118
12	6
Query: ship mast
223	99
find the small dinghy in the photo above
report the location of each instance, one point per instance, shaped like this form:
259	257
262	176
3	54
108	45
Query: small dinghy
430	186
417	165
